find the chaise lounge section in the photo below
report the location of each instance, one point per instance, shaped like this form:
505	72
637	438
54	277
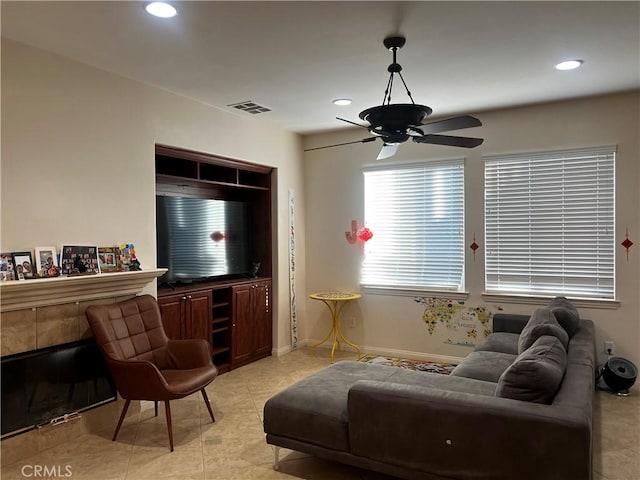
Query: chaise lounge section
519	406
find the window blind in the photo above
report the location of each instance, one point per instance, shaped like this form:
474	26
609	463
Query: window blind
549	223
416	214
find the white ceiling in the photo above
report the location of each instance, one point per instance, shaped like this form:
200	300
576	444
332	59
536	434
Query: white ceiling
295	57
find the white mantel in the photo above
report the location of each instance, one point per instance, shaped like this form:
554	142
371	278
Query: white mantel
15	295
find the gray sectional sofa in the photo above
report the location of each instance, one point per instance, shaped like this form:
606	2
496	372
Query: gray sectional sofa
518	407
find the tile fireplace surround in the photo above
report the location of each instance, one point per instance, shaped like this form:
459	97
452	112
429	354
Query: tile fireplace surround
35	314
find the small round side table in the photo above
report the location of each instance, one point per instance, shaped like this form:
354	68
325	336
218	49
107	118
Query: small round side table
335	301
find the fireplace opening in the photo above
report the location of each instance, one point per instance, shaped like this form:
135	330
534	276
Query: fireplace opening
40	385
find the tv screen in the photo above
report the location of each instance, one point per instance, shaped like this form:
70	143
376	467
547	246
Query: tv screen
200	238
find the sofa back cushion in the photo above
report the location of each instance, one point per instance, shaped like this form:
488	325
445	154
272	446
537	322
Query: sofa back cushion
536	374
566	314
542	322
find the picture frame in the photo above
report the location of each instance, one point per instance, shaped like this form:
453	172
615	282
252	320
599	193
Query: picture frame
6	267
23	265
109	259
79	260
46	261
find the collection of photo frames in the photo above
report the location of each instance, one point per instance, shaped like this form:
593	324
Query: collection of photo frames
70	260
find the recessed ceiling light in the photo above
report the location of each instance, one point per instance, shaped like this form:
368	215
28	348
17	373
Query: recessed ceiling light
161	9
342	101
569	65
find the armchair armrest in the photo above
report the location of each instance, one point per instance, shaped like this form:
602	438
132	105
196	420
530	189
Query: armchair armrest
187	354
138	380
452	434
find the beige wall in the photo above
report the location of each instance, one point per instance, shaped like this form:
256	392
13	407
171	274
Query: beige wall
394	324
78	159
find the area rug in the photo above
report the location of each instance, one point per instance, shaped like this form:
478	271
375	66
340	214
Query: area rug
421	365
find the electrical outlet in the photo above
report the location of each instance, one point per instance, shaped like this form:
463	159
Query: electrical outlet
352	322
609	347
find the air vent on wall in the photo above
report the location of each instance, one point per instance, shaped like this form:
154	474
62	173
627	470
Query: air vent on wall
250	107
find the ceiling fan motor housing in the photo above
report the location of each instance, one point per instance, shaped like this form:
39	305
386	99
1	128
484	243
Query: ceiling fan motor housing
394	118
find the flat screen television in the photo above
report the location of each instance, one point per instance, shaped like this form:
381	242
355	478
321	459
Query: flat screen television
201	238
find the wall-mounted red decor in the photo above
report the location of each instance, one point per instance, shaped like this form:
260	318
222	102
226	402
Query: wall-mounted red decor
474	246
626	243
363	234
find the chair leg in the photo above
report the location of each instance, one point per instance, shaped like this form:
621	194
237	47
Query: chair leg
155	407
206	402
167	410
122	415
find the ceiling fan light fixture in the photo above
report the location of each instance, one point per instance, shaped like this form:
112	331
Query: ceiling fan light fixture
161	9
342	101
569	65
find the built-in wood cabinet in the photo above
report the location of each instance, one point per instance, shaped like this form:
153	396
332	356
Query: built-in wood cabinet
233	316
187	315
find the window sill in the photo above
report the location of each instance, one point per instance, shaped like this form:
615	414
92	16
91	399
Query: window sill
544	300
408	292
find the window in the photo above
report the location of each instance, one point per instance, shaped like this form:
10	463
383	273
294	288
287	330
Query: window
416	214
549	223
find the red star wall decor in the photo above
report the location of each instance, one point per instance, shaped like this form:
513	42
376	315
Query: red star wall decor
474	246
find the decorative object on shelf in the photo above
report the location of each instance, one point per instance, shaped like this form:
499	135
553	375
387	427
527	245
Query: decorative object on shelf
474	246
6	267
362	234
47	262
23	265
109	259
79	259
128	260
626	243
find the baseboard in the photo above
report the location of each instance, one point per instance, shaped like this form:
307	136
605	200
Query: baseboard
278	352
390	352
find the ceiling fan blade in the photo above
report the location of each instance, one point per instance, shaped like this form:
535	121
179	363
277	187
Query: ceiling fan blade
388	150
466	142
352	123
456	123
364	140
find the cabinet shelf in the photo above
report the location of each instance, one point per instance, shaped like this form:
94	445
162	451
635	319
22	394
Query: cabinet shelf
219	320
219	330
220	304
219	350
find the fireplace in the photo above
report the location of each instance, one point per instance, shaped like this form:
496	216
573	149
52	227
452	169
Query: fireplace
42	385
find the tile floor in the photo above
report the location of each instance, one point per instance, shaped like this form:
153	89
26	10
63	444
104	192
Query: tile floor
234	447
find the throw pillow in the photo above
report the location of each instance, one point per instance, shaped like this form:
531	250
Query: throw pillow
542	322
566	314
536	374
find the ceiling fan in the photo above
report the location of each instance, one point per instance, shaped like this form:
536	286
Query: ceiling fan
396	123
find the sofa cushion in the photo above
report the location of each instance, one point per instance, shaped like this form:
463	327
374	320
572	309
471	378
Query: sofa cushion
566	314
536	374
502	342
315	409
484	365
542	322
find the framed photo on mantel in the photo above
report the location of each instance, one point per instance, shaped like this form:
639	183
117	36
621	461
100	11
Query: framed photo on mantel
79	259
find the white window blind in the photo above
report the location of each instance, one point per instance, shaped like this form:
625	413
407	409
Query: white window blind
549	223
416	214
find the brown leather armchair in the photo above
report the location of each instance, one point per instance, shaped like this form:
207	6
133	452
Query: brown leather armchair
144	363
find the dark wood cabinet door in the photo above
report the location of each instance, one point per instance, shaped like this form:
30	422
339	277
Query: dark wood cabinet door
198	316
172	309
261	310
241	334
